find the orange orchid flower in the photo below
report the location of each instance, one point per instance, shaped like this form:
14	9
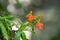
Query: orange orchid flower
39	25
30	17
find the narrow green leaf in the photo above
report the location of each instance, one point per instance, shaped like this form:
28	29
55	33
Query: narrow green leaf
4	31
23	26
7	25
10	22
8	17
18	34
23	36
26	23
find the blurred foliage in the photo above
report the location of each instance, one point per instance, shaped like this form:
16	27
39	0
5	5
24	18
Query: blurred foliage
3	8
5	26
6	21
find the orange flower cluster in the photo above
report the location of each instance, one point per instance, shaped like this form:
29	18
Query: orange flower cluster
30	17
39	25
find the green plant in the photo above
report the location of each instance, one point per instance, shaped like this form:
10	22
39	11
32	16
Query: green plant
6	25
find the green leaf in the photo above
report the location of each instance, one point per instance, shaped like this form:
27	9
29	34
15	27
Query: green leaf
23	26
4	31
9	17
10	22
7	25
26	23
1	18
23	36
17	36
